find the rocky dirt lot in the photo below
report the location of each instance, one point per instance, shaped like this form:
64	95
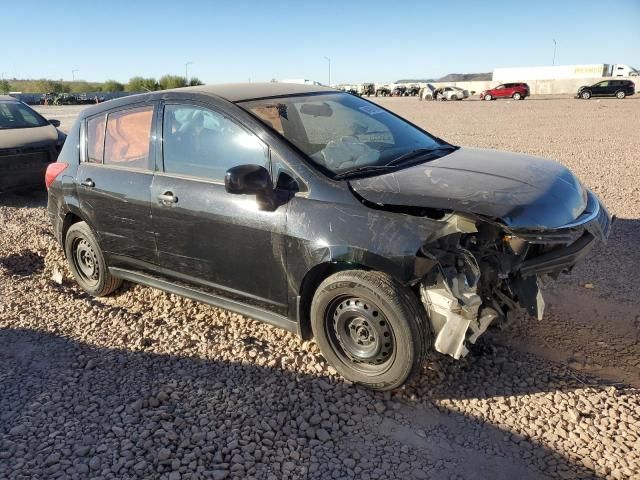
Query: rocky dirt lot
149	385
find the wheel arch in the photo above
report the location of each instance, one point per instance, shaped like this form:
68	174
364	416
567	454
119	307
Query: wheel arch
71	217
319	272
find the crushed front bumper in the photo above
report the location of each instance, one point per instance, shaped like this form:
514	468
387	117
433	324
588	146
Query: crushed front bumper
476	284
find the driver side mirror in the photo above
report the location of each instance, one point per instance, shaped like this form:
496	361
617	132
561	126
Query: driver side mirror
248	180
55	123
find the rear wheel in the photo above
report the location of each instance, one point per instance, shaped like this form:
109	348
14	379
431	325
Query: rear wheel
87	261
586	95
517	96
370	328
620	94
488	97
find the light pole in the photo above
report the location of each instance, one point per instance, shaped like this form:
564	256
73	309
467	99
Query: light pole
73	75
555	44
2	75
329	60
186	71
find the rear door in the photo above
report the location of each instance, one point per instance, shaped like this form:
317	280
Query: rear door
206	236
114	181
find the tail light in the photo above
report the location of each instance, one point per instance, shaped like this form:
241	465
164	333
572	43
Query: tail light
53	170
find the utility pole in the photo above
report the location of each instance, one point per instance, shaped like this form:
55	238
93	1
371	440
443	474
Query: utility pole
186	71
555	44
329	60
73	75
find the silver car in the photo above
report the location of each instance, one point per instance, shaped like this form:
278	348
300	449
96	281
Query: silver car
452	93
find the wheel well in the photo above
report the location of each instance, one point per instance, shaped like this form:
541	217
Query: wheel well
69	220
310	283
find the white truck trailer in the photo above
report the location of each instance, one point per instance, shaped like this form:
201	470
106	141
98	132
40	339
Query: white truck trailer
594	70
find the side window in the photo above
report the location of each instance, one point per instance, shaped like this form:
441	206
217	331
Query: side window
95	139
603	84
127	138
199	142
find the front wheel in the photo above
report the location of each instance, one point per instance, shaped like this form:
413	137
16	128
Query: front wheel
87	261
370	328
586	95
488	97
620	94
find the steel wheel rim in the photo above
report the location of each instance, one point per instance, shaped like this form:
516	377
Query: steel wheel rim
360	334
516	96
85	261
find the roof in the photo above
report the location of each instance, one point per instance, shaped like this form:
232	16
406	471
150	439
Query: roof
237	92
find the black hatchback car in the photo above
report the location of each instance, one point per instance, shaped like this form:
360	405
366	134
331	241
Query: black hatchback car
319	212
28	143
607	88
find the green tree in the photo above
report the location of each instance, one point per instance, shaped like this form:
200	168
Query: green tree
195	81
112	86
5	86
49	86
172	81
141	84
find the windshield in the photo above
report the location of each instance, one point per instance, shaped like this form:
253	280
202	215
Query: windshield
342	132
18	115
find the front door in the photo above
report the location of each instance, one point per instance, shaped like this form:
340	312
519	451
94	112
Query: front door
114	182
600	89
206	236
500	91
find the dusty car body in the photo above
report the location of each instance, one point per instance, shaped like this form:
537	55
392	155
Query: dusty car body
28	143
381	242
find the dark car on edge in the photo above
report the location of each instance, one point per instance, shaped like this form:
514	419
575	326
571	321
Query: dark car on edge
28	143
319	212
607	88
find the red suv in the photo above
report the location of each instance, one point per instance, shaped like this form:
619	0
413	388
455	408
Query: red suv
517	91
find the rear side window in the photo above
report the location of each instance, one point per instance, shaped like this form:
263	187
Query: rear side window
127	138
199	142
95	139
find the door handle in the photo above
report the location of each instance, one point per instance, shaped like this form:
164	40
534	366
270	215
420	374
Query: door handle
88	183
168	197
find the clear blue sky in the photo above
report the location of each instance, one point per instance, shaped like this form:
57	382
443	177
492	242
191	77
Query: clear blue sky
231	41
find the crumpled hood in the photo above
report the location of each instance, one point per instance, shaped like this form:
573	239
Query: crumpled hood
522	191
23	137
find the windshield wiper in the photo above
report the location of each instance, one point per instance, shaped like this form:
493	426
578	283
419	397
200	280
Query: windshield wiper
362	169
417	153
420	152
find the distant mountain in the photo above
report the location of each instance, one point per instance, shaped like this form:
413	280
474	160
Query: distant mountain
453	77
417	80
466	77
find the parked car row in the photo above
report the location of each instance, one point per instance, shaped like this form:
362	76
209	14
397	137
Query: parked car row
514	90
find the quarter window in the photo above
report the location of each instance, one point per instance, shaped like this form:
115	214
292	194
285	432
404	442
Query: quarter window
95	139
127	138
199	142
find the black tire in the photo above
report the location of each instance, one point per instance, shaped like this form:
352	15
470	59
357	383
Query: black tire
377	316
86	261
620	94
517	96
488	97
585	95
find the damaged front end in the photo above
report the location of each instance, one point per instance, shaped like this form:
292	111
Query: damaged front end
479	269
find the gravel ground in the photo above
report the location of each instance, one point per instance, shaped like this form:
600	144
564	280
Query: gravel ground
145	384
